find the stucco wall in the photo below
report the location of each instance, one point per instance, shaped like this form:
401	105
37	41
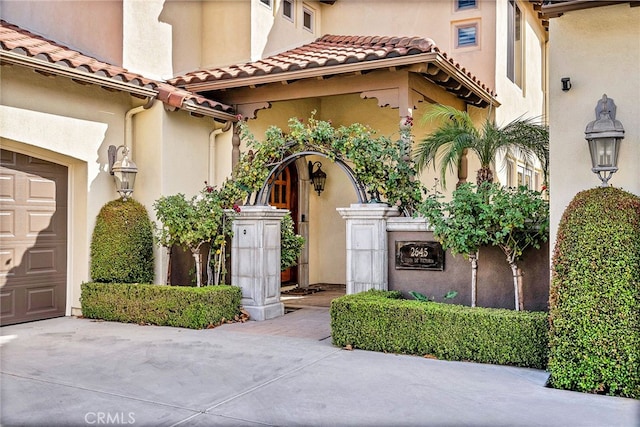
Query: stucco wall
495	283
431	19
599	50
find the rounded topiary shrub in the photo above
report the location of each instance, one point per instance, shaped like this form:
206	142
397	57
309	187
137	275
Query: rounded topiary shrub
122	244
594	301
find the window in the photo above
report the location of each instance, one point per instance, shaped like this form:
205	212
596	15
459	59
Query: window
266	3
514	43
307	19
465	4
510	168
467	35
525	176
287	9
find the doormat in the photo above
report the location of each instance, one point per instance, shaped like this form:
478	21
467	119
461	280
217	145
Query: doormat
301	291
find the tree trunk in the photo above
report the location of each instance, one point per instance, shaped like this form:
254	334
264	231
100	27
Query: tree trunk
196	255
474	278
210	277
517	286
484	174
169	251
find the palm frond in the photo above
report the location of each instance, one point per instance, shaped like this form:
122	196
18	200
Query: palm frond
445	145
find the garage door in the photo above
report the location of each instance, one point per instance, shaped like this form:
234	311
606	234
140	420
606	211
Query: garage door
33	233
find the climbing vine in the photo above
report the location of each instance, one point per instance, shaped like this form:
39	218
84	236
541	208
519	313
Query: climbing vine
380	164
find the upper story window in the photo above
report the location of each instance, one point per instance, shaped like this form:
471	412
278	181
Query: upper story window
514	43
308	18
266	3
287	9
465	4
466	35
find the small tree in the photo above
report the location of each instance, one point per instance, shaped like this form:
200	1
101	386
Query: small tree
459	225
194	222
519	219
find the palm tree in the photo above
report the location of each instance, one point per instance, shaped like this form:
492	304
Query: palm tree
522	138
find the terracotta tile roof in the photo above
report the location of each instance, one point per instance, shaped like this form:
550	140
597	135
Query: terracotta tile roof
19	46
330	54
326	51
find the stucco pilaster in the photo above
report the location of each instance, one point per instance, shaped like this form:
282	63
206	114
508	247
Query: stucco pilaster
255	260
367	264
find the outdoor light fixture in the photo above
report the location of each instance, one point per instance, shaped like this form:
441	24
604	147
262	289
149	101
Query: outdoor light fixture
318	177
124	171
604	135
566	83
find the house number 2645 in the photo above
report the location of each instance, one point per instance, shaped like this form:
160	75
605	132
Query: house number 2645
419	252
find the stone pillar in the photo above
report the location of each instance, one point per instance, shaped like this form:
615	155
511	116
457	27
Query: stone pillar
367	262
255	260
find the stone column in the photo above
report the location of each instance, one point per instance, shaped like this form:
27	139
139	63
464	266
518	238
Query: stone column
367	262
255	260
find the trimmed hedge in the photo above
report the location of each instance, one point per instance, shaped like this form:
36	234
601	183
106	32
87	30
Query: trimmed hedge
122	244
180	306
594	301
381	321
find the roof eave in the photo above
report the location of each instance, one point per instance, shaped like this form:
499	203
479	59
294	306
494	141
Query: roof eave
48	68
8	57
555	10
199	110
435	58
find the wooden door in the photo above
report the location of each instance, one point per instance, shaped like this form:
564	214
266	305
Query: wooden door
284	195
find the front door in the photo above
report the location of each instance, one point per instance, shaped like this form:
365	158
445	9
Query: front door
284	195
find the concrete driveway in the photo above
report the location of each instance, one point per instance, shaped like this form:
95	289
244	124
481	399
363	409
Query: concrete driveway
284	372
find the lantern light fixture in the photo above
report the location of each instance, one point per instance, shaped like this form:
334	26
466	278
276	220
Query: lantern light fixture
604	136
124	171
318	177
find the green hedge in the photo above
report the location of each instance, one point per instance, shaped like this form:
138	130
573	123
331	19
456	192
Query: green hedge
122	244
594	300
180	306
381	321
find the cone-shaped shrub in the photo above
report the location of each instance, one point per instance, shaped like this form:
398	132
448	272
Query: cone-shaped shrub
122	244
594	299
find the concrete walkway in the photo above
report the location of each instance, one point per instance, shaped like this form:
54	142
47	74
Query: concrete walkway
285	372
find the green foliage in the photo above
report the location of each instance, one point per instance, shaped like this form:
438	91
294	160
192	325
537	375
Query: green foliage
290	243
200	219
382	322
379	164
122	244
180	306
519	219
422	297
461	225
595	295
457	133
191	222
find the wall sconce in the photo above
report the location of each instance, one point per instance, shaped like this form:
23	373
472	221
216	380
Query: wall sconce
604	136
566	84
318	177
124	171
